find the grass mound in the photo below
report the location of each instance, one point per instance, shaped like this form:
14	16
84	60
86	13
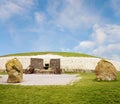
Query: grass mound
66	54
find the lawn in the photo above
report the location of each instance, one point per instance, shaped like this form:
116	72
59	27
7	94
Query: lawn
86	91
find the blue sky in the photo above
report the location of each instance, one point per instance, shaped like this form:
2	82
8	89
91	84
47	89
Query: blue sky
85	26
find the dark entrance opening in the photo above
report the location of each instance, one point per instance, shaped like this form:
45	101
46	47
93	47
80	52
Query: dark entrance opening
46	66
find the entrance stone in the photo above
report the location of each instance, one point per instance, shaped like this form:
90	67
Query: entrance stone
15	71
105	70
36	65
55	65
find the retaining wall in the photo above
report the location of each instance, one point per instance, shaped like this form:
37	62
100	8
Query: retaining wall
66	63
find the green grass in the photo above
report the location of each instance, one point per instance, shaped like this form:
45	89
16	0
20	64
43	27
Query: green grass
67	54
3	73
86	91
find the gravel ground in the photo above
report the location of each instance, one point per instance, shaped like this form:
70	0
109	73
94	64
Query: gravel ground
44	79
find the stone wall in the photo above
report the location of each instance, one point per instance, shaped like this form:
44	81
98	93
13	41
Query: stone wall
24	60
78	63
66	63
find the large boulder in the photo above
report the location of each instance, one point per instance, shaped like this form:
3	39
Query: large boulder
105	70
15	71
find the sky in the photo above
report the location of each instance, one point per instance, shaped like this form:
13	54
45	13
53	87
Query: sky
85	26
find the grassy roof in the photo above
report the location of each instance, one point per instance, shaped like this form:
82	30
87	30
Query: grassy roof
66	54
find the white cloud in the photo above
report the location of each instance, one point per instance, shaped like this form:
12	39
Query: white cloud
84	45
113	47
115	57
108	33
99	51
113	32
99	34
72	14
104	41
39	17
116	6
65	49
110	51
9	8
27	3
87	44
111	43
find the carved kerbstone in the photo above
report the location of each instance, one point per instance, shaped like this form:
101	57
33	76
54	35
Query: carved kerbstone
15	71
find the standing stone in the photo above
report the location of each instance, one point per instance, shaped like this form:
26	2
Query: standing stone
36	64
55	65
105	70
15	71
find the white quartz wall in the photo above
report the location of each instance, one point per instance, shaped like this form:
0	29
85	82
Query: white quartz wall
66	63
77	64
24	60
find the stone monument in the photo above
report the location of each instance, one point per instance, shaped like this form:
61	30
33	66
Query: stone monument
105	70
15	71
55	65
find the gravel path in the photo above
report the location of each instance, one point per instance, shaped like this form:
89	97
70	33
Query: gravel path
44	79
